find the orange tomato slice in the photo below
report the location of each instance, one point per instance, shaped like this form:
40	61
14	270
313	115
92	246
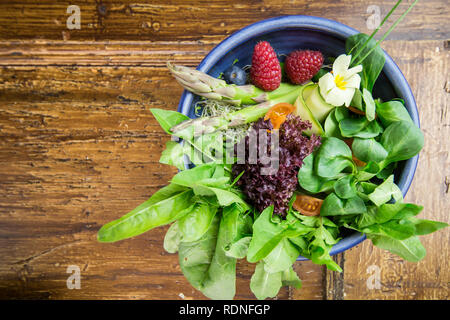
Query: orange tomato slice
307	205
278	113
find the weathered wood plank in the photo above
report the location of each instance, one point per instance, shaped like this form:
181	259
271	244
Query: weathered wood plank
180	20
312	276
100	53
334	281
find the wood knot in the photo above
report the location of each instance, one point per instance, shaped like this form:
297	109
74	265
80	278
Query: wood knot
102	9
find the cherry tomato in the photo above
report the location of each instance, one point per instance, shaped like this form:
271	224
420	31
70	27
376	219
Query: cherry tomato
307	205
278	113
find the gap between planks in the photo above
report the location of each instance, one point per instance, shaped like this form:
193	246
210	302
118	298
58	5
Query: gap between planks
334	280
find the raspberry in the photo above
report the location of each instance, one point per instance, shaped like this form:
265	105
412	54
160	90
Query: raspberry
265	72
302	65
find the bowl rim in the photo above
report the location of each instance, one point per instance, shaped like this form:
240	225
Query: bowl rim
338	30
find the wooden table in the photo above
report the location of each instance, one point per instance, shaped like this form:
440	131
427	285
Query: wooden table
79	147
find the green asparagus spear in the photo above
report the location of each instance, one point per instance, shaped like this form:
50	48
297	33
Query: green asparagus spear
200	126
209	87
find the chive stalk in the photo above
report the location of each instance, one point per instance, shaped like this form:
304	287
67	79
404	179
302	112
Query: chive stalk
387	33
374	32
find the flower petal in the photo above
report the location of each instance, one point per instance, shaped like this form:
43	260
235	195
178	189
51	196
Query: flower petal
353	71
326	83
349	96
337	97
353	82
341	64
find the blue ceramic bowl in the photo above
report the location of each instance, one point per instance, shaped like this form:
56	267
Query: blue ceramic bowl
288	33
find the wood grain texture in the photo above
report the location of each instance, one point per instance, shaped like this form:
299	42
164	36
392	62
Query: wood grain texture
79	148
204	21
100	53
334	281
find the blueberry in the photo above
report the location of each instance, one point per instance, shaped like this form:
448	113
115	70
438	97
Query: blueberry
235	75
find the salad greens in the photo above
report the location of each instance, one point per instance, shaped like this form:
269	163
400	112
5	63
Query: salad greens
353	171
372	64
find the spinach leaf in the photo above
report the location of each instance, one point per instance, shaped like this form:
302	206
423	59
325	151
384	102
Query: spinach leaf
195	257
396	211
331	125
266	236
327	222
392	111
317	243
295	226
332	158
320	247
165	206
290	278
267	285
335	206
368	150
345	187
370	104
227	198
309	221
402	140
366	219
325	234
263	284
195	224
168	118
351	126
320	254
206	148
387	171
172	239
385	192
396	229
269	231
341	113
373	64
210	179
375	216
393	227
366	187
209	174
357	100
173	155
359	128
220	281
282	257
309	180
300	242
410	249
370	170
424	226
239	248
